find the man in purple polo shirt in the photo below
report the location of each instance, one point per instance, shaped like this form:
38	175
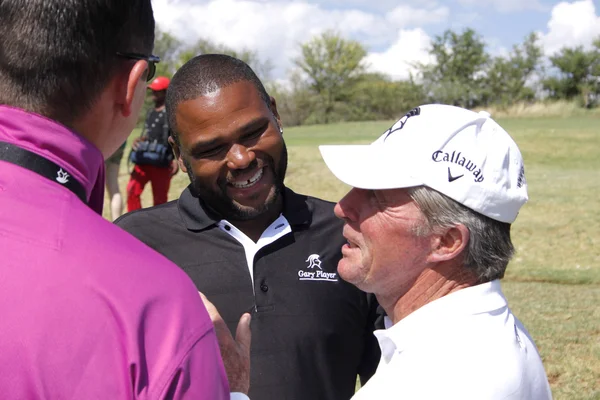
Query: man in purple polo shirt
87	311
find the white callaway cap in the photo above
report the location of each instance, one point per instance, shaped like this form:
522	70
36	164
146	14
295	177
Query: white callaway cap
462	154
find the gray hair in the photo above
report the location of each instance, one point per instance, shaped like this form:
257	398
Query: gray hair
489	249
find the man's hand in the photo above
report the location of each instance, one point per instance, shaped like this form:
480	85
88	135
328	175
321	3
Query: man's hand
136	142
235	353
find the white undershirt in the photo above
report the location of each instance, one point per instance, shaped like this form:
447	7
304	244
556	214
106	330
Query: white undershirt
279	228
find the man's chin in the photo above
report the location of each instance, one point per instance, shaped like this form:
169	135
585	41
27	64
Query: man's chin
255	206
243	212
349	272
241	209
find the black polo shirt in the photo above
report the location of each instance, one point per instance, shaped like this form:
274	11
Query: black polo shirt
311	331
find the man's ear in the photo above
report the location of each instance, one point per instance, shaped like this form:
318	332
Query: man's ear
449	244
273	107
177	153
135	80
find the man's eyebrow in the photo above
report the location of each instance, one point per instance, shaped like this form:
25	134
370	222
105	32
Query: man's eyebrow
251	126
254	125
201	145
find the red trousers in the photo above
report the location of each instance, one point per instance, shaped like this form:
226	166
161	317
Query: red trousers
160	177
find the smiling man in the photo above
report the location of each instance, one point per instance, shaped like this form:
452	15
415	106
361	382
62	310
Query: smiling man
427	225
252	245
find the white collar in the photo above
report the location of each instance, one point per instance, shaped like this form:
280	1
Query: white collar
280	227
434	317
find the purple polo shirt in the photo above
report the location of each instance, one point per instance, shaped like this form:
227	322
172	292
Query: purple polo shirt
86	310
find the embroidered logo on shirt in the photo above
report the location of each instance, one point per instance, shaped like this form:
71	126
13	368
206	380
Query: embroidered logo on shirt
314	260
62	177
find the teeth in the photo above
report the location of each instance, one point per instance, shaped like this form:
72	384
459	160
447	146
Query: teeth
249	182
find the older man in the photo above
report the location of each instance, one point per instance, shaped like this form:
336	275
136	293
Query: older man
428	230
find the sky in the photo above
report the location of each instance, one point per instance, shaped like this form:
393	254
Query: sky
396	33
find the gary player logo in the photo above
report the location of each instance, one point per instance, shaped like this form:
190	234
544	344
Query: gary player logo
314	260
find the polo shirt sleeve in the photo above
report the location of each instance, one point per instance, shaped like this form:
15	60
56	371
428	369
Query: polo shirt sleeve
200	374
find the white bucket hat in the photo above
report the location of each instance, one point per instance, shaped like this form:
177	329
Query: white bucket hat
462	154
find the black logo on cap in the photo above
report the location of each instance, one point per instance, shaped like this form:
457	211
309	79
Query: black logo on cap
453	178
521	180
456	157
400	124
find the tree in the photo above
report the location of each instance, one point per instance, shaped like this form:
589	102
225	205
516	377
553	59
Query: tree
458	72
205	46
333	65
174	53
577	73
377	97
295	101
507	77
167	47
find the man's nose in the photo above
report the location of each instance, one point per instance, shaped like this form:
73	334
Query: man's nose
345	209
239	157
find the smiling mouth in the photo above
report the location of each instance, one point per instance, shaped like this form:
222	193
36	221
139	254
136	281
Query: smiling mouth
248	182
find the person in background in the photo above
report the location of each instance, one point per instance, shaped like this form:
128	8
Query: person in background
251	244
88	311
156	171
112	166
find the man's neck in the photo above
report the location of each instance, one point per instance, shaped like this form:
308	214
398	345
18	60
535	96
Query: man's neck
255	227
98	125
432	284
159	107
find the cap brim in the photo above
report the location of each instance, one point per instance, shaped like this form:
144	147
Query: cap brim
367	167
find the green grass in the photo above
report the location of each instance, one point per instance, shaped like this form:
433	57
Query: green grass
564	322
553	283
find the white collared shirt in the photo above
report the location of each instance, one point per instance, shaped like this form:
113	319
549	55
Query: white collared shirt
466	345
278	228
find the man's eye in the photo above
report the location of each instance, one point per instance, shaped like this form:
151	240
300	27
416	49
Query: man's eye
375	199
257	133
253	134
207	153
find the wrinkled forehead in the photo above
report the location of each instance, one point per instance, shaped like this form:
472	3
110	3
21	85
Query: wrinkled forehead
379	199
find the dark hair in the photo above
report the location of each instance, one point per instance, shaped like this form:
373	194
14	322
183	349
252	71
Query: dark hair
204	74
56	56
